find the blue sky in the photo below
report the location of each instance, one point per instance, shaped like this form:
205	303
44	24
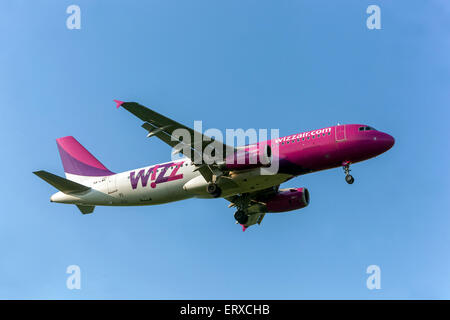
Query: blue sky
292	65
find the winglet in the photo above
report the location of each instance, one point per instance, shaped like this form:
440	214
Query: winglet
244	228
118	103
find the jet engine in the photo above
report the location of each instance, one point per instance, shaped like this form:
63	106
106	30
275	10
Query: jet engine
288	199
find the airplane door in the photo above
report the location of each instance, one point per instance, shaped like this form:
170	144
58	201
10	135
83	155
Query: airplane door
112	186
340	133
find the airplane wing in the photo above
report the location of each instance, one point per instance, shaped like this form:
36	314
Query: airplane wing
164	128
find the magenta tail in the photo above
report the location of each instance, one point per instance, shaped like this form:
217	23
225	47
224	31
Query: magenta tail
77	160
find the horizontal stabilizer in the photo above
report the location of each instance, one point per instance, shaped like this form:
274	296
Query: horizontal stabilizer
62	184
85	209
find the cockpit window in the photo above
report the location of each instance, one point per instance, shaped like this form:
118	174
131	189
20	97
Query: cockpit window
367	128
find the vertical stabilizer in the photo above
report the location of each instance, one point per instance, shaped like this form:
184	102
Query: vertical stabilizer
79	163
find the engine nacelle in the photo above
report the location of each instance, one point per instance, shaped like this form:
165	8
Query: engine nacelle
288	199
248	158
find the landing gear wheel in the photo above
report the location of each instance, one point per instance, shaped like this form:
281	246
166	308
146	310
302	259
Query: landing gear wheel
214	190
349	179
241	217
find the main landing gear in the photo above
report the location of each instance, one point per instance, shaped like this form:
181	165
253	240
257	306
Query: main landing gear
241	202
241	217
348	177
213	189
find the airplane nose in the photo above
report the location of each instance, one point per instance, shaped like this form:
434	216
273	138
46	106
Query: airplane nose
390	141
382	142
387	141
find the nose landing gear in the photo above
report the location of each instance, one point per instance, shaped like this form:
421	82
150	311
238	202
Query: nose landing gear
348	177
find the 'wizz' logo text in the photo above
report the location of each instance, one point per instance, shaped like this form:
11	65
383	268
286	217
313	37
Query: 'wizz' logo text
156	174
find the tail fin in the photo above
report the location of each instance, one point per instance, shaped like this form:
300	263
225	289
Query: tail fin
78	161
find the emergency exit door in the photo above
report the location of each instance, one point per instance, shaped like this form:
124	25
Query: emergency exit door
112	186
340	133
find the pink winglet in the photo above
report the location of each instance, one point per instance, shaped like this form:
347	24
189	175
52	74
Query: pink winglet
243	228
118	103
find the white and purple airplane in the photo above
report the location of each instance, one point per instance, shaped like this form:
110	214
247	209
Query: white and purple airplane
245	185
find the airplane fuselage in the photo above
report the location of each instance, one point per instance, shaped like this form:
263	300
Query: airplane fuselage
299	154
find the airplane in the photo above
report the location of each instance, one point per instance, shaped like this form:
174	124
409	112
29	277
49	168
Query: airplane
245	185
